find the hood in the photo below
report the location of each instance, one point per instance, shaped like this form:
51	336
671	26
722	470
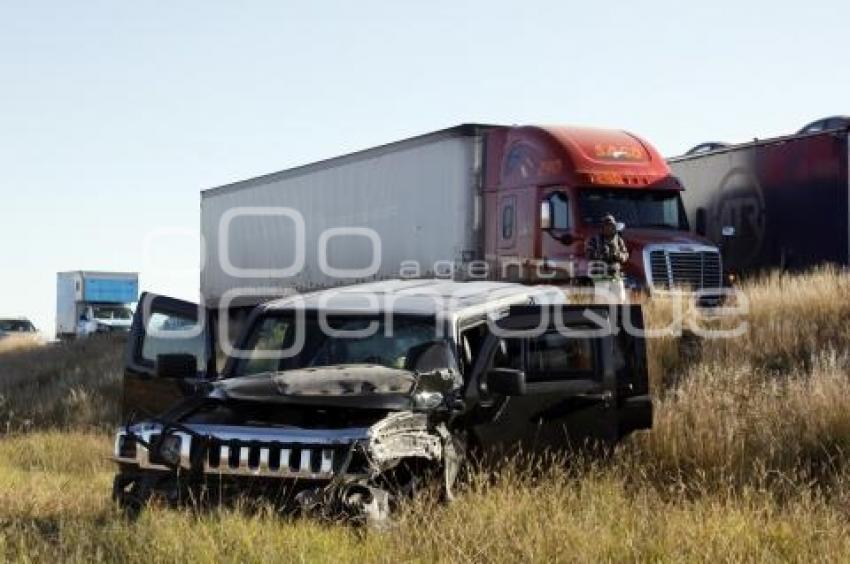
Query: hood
356	385
641	237
358	379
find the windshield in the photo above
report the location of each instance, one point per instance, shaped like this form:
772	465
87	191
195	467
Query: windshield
397	342
635	208
112	312
16	326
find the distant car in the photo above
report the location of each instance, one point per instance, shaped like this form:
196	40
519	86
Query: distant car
17	326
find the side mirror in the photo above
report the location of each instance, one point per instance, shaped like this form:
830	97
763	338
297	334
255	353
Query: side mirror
176	365
566	238
545	214
506	381
430	356
728	231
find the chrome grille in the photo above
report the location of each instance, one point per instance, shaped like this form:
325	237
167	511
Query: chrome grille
659	269
235	457
244	456
697	270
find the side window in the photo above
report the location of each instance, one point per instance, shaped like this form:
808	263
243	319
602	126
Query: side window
471	340
509	354
508	219
554	356
167	333
560	210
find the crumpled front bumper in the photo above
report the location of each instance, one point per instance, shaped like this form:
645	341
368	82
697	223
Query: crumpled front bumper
279	452
241	451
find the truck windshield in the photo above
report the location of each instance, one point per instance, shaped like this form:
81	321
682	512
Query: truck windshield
395	342
111	312
636	208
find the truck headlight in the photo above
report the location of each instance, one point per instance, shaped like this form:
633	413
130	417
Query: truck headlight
169	449
631	283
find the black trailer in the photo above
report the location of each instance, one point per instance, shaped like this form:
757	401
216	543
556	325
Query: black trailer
786	197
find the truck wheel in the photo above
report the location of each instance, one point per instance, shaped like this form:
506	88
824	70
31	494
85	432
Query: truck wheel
131	494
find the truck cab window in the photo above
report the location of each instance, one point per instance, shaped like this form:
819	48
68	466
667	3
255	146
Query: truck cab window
560	211
636	208
112	312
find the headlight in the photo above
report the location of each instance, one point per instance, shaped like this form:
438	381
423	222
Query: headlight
169	449
427	400
126	447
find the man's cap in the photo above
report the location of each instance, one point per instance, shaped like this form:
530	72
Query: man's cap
608	218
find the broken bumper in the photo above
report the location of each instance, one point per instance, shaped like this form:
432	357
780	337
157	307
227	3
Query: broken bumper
240	451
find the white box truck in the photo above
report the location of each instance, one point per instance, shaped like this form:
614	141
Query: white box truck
90	302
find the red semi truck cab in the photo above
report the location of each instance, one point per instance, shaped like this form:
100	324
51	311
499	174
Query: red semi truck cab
569	178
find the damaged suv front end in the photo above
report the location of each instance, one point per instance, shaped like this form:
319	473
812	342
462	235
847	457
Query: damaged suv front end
348	439
355	472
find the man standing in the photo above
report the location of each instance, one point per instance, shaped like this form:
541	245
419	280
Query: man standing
609	253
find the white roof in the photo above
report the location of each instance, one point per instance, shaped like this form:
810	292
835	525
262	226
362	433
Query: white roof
421	297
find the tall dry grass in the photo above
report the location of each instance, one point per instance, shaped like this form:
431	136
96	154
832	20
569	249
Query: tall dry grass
13	342
61	385
598	512
747	460
787	322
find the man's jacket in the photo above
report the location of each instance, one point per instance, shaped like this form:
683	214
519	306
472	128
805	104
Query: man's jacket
612	251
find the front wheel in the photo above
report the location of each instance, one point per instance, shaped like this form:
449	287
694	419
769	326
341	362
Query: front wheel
132	494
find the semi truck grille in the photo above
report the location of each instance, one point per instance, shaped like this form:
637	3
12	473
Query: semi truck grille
697	270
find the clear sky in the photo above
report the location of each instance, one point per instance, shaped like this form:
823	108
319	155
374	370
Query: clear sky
114	115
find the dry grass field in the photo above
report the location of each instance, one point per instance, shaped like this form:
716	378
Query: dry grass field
748	460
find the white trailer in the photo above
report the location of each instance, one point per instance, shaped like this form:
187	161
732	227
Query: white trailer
406	209
94	302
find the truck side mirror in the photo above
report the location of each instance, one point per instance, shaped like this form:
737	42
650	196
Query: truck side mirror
545	214
506	381
176	365
566	238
